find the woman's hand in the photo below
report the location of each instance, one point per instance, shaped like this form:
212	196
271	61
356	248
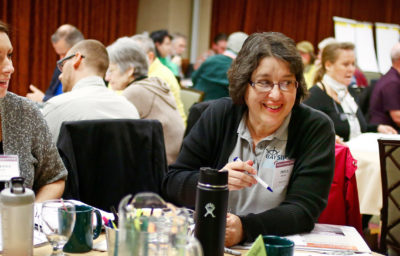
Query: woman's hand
339	140
237	176
233	231
386	129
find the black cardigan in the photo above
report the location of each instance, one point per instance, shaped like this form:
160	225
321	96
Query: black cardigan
319	100
311	142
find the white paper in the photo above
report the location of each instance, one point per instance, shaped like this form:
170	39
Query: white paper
327	238
325	234
360	34
387	35
345	29
9	167
365	49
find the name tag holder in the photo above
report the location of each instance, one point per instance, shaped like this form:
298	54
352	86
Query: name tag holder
9	167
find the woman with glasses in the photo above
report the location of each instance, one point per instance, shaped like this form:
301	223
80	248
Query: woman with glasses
24	132
262	129
331	94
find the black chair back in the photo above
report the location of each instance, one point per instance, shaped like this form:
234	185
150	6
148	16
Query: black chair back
108	159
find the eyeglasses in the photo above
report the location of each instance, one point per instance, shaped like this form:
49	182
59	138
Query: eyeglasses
267	86
60	63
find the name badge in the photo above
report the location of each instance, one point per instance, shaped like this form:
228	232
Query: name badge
9	167
283	170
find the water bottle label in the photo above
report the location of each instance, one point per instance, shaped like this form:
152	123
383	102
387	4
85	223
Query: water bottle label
210	207
9	167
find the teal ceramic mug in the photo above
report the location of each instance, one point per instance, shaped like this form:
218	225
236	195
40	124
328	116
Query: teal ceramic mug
278	246
83	234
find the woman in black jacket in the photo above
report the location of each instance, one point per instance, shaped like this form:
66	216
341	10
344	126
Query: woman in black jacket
288	145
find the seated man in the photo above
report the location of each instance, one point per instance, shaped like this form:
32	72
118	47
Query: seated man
385	98
211	77
63	39
178	48
85	95
218	46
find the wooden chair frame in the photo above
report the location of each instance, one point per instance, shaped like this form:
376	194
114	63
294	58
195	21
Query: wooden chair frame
386	194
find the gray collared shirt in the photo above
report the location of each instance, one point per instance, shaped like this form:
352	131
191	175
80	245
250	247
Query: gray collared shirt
272	166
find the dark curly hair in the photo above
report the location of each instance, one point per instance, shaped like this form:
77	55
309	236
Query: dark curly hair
256	47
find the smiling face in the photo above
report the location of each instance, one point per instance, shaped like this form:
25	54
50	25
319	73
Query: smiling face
342	70
270	109
6	66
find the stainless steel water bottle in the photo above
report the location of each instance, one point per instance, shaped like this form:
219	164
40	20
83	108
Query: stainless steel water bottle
211	206
17	218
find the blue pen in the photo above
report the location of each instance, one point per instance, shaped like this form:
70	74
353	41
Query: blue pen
259	180
109	224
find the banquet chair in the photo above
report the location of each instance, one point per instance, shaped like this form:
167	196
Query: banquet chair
343	207
389	154
195	112
189	97
108	159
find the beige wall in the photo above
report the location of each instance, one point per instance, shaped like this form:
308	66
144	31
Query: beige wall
175	16
204	26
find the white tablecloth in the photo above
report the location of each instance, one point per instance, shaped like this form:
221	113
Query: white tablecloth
365	150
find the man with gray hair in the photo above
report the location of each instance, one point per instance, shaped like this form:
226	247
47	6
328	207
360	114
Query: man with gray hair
62	40
157	69
211	77
385	98
85	96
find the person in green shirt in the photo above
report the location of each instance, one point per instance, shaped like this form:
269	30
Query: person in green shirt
162	41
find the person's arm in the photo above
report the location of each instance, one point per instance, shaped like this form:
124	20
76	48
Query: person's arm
36	95
201	148
395	115
50	173
386	129
308	187
50	191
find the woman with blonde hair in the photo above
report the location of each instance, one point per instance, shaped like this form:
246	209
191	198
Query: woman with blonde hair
331	94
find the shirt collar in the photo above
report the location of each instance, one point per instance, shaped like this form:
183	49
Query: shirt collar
339	88
89	81
281	133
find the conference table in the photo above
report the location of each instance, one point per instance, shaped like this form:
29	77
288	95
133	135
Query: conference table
46	250
365	150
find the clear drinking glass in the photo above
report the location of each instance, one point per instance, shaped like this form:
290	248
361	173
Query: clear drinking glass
185	246
58	220
151	227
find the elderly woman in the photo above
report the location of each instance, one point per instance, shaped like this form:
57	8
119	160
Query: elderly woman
24	132
288	145
331	94
150	95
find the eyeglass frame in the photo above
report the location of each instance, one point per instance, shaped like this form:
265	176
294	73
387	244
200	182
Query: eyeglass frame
272	85
60	63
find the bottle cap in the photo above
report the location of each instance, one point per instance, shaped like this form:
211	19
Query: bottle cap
212	176
17	194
